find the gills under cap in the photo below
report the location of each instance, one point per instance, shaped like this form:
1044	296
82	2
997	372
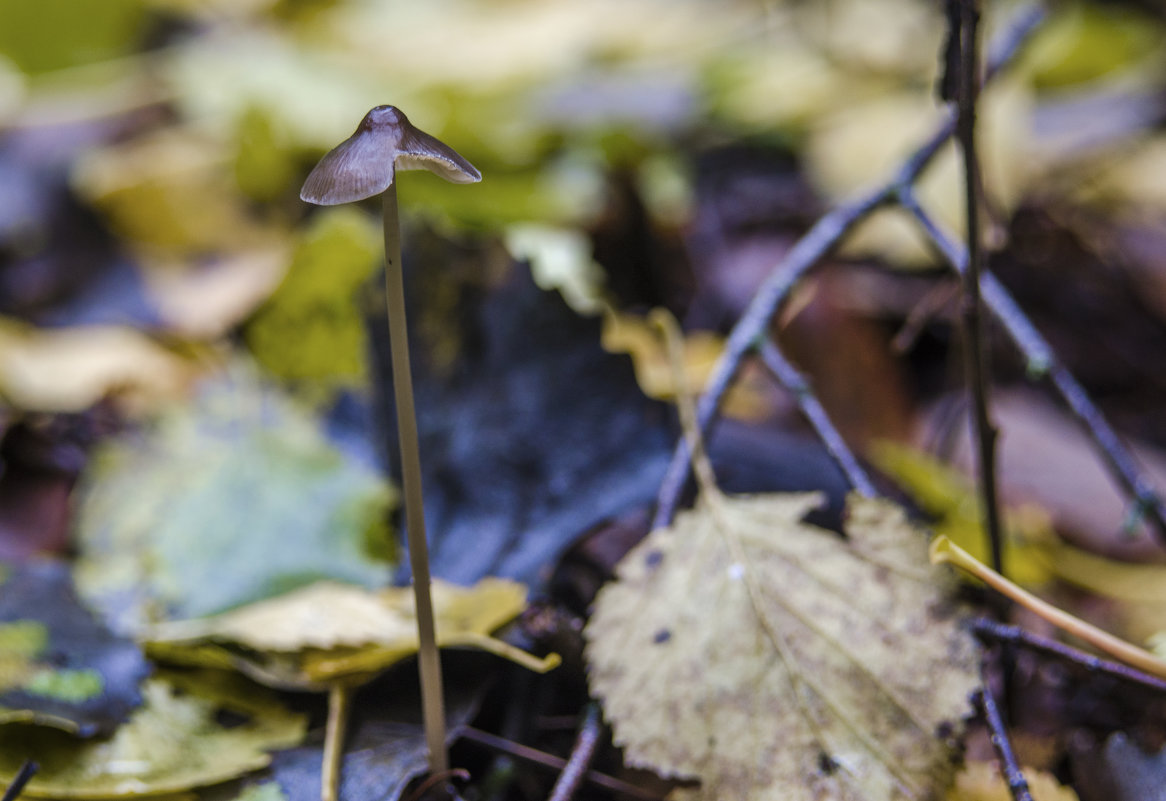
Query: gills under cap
365	163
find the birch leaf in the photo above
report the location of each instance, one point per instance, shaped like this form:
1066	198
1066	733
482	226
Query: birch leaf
771	659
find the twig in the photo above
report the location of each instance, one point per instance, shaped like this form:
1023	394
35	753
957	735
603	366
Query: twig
986	630
800	259
581	754
22	777
1017	785
552	762
792	380
975	347
1041	361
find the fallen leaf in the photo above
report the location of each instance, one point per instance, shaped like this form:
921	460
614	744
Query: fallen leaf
330	631
58	666
312	328
946	494
174	742
626	333
71	369
768	658
232	498
981	781
859	145
207	300
172	195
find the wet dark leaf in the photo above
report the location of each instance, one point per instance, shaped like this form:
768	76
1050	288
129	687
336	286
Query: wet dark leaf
530	432
58	666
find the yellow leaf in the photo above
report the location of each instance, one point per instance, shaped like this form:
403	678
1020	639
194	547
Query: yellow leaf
981	781
859	145
769	658
635	336
946	494
330	631
170	744
70	369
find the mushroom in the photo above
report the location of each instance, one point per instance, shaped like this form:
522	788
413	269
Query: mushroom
364	165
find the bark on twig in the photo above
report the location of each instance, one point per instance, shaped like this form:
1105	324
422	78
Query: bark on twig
993	631
1042	362
975	345
793	381
1009	768
804	256
581	755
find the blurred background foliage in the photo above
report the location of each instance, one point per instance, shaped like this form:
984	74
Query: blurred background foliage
186	127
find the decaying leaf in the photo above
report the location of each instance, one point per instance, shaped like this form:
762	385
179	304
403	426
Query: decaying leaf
947	495
70	370
771	659
312	328
330	631
174	742
981	781
232	499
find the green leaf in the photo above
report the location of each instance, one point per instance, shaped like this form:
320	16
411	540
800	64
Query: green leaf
234	498
54	34
312	327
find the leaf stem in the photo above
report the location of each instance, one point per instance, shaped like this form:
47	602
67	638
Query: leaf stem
429	660
944	550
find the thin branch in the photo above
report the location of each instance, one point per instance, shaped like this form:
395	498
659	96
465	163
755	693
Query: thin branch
1042	361
793	381
823	237
552	762
991	630
27	770
1009	768
975	346
581	755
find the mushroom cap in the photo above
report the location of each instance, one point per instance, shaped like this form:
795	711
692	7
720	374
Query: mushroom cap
365	163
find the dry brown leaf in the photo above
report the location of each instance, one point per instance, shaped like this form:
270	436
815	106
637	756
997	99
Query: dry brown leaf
771	659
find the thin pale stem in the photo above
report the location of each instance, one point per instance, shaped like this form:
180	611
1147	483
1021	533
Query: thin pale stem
944	550
429	660
339	704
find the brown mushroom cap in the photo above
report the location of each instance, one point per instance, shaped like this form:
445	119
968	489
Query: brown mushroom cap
365	163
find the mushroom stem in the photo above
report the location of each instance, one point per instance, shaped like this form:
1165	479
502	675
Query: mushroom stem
429	660
339	703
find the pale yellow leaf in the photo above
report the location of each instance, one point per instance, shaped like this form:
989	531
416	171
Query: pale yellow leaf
981	781
172	743
70	369
771	659
329	631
